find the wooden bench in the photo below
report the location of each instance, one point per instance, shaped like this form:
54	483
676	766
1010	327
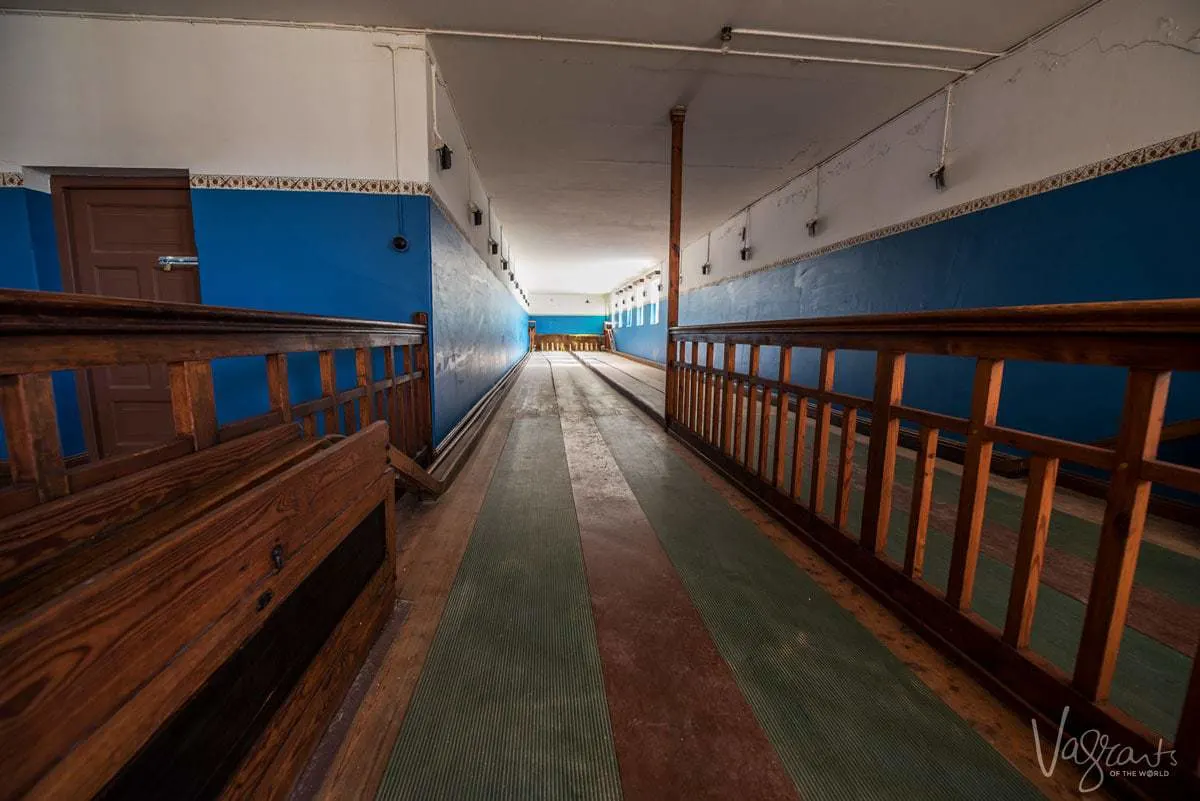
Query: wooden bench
185	622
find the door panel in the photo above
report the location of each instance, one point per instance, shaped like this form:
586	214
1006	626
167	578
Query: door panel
116	234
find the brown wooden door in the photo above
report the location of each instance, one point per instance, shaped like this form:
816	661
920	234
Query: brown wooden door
116	230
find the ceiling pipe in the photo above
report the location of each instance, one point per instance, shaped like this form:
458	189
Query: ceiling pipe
856	40
677	48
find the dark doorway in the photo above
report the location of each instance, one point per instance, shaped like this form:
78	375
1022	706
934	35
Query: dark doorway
112	232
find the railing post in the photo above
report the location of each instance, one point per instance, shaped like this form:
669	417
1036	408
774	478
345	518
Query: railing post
881	454
781	415
391	395
425	401
277	385
31	428
329	390
192	402
816	493
922	497
727	394
972	496
1121	532
1031	550
362	370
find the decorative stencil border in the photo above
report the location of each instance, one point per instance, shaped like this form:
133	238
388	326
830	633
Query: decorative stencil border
1134	158
12	179
366	186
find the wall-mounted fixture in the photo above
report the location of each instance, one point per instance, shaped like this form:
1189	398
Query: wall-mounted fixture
493	246
811	225
705	268
445	157
939	177
399	244
746	253
476	214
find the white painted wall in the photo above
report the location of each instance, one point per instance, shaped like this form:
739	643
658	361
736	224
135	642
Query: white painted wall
595	305
460	187
210	98
1123	75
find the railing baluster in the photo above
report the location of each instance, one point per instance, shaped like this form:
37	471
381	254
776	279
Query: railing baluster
729	395
694	389
392	396
1121	532
362	369
972	495
922	497
310	426
31	430
797	479
277	385
881	455
751	406
329	390
816	493
409	420
192	402
841	509
781	415
709	382
764	432
1031	550
425	400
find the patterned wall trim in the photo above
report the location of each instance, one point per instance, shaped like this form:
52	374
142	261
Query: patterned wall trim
12	179
367	186
1134	158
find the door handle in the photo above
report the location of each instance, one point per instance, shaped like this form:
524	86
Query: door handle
168	263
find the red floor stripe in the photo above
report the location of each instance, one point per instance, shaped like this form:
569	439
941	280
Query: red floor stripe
681	725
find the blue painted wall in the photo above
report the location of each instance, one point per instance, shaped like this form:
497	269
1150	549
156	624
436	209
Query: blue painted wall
479	328
1130	235
648	340
569	323
312	252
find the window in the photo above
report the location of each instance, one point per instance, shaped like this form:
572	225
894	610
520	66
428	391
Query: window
655	301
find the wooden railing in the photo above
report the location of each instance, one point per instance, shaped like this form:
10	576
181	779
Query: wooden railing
41	333
568	342
725	415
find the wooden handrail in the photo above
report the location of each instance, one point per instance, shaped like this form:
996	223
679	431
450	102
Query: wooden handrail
1153	334
43	332
1150	338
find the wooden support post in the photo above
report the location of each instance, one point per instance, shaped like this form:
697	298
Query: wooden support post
329	390
816	494
277	385
972	496
1120	533
1031	550
693	419
751	405
764	433
31	430
362	369
922	497
728	398
881	456
408	425
192	402
781	416
677	116
841	510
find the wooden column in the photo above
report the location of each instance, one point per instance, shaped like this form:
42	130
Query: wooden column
677	116
1120	533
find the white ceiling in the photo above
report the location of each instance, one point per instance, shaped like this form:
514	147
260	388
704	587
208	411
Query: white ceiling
572	140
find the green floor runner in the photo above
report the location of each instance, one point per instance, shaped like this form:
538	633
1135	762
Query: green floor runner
510	704
847	717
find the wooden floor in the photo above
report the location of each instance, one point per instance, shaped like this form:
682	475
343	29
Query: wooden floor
595	614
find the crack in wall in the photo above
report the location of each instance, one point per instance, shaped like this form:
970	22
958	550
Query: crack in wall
1168	29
